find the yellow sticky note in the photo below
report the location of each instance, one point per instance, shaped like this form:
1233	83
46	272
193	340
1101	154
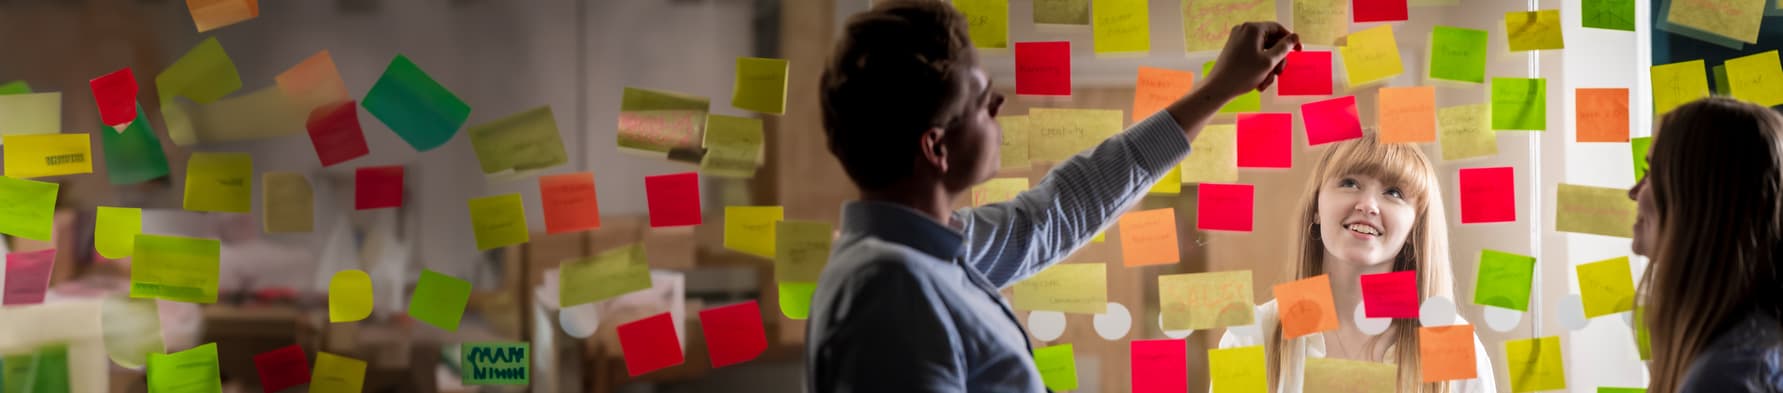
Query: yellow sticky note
1321	22
1678	83
27	208
287	204
260	114
1100	237
1756	78
1013	152
801	249
1237	370
219	182
733	146
194	370
313	82
1535	364
204	74
499	221
1065	287
1466	132
40	155
337	374
1062	12
349	296
1215	157
795	299
115	229
987	21
1371	56
1201	301
1596	210
603	276
750	229
1534	30
1606	287
1352	375
1058	134
1121	26
1171	184
1207	23
180	269
761	85
998	190
1735	19
518	145
31	113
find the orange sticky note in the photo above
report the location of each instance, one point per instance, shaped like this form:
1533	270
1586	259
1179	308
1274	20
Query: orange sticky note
1306	306
313	82
1603	115
1408	114
570	202
1157	88
1446	353
214	14
1149	238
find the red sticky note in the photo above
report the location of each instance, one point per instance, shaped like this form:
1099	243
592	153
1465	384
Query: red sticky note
335	133
282	368
27	277
649	344
1160	365
1379	10
674	199
377	187
570	202
1305	73
1488	195
1331	120
116	95
1390	295
734	333
1224	207
1265	140
1043	68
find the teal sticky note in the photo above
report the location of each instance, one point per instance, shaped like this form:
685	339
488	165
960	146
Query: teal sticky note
17	87
1608	14
439	300
133	155
194	370
496	363
27	208
1458	54
1519	104
1504	280
1639	147
1251	101
413	105
44	370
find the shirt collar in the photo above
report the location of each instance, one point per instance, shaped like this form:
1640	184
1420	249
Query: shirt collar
901	225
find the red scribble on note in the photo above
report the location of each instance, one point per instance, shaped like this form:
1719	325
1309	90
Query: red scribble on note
377	187
1305	73
282	368
1265	140
335	133
116	95
649	344
674	199
1224	207
1160	365
1390	295
1379	10
1043	68
1488	195
1331	120
734	333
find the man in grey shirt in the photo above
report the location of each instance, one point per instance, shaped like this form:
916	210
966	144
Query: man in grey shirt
909	300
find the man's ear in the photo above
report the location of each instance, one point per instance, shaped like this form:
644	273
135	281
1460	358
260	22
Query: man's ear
934	151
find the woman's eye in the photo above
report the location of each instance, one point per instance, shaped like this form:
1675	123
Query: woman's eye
1346	183
1394	192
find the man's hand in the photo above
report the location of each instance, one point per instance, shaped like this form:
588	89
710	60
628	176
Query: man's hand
1251	59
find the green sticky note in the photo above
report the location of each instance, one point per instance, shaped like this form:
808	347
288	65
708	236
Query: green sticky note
31	113
1519	104
44	370
1058	367
1606	287
795	299
1251	101
603	276
1722	87
27	208
498	221
1639	147
133	155
514	145
1458	54
204	74
1609	14
190	371
1121	26
1504	280
219	182
760	85
115	229
439	300
987	22
1535	364
496	363
1606	389
416	107
14	87
180	269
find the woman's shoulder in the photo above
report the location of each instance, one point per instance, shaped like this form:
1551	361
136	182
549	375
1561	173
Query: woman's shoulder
1746	358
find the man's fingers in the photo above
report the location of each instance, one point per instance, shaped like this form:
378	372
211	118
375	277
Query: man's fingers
1282	47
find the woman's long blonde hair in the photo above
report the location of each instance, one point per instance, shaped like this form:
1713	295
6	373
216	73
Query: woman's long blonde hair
1426	248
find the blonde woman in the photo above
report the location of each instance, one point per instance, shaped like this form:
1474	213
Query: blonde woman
1369	208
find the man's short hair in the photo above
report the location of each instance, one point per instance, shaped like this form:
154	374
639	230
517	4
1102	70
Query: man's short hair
900	69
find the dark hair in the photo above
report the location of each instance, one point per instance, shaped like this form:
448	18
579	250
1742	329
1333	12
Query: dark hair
901	68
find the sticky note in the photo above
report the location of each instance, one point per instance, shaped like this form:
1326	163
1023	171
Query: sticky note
27	276
413	105
1058	367
1466	133
1058	134
1504	280
1043	68
496	363
204	74
1224	207
15	87
1756	78
734	333
27	208
1321	22
219	182
313	82
1678	83
180	269
193	370
520	143
40	155
287	203
349	296
337	374
1215	157
1534	30
1720	74
1250	101
1265	140
1305	73
1519	104
1159	365
1149	237
1608	14
1371	56
210	15
133	154
115	229
1237	370
115	93
439	300
1200	301
132	329
1380	10
1155	90
801	249
377	187
1331	120
1602	114
795	299
1535	364
1170	184
635	99
750	229
1734	19
1121	26
1351	375
1407	114
674	199
498	221
1643	336
1606	287
1607	389
987	22
1640	147
1596	210
603	276
1013	151
1458	54
1306	306
733	146
43	369
1206	24
760	85
570	202
30	113
1446	353
656	132
1488	195
650	344
1061	12
1390	295
1065	287
282	368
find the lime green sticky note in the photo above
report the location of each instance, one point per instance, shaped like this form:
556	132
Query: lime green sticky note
1058	367
1251	101
1639	147
30	113
1458	54
14	87
1535	364
1520	104
496	363
219	182
1237	370
349	296
1504	280
1757	78
337	374
43	370
1643	337
1678	83
1121	25
750	229
795	299
1608	14
603	276
520	143
133	155
27	208
194	370
1720	74
1606	287
416	107
987	21
204	74
181	269
115	229
498	221
761	85
1607	389
439	300
1171	184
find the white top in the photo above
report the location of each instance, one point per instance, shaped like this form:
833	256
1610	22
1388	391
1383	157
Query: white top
1293	374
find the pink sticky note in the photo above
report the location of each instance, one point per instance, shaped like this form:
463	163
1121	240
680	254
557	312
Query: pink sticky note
674	199
734	333
282	368
1224	207
28	276
1488	195
1265	140
377	187
1305	73
1331	120
649	344
1160	365
335	133
1043	68
1390	295
116	95
1379	10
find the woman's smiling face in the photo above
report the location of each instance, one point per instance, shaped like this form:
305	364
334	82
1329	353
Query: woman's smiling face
1362	221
